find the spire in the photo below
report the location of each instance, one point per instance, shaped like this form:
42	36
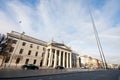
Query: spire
98	41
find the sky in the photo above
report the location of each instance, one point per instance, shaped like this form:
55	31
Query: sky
68	22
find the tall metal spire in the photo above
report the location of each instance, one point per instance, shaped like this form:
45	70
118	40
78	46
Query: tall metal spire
98	42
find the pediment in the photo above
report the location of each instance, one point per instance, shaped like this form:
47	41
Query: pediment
60	45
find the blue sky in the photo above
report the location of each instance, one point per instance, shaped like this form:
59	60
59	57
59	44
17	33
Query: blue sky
66	21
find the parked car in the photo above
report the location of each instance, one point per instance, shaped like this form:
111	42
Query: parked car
30	67
59	67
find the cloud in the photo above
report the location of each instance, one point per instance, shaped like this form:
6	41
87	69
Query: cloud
6	24
66	21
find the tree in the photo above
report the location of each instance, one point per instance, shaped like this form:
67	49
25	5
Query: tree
5	45
3	40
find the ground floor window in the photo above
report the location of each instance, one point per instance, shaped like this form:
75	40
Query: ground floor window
17	60
27	60
41	63
34	61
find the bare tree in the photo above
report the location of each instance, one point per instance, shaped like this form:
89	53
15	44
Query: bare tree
5	45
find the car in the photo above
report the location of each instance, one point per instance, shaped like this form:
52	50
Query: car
59	67
30	67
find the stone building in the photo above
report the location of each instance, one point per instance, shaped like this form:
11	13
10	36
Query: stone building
89	62
76	61
28	50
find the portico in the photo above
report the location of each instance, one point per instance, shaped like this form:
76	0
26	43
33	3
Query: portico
58	55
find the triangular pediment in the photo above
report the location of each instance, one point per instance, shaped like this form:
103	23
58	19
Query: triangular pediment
60	45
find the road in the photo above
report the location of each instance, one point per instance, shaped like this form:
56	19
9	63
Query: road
87	75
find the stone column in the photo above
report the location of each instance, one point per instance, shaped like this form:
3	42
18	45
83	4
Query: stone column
50	58
67	61
55	59
45	58
63	59
70	60
59	58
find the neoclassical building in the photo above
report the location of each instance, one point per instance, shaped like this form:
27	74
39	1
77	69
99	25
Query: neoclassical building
89	62
28	50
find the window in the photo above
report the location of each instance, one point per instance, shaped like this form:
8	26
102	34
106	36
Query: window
37	47
29	53
41	62
43	48
11	49
34	61
9	40
43	54
21	51
14	41
7	59
18	60
27	60
24	43
31	45
36	53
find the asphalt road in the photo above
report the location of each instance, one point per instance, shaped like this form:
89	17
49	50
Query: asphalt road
87	75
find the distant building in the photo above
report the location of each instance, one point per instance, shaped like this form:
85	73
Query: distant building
84	61
89	62
94	64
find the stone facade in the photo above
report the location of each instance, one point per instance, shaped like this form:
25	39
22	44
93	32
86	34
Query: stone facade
28	50
89	62
76	61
